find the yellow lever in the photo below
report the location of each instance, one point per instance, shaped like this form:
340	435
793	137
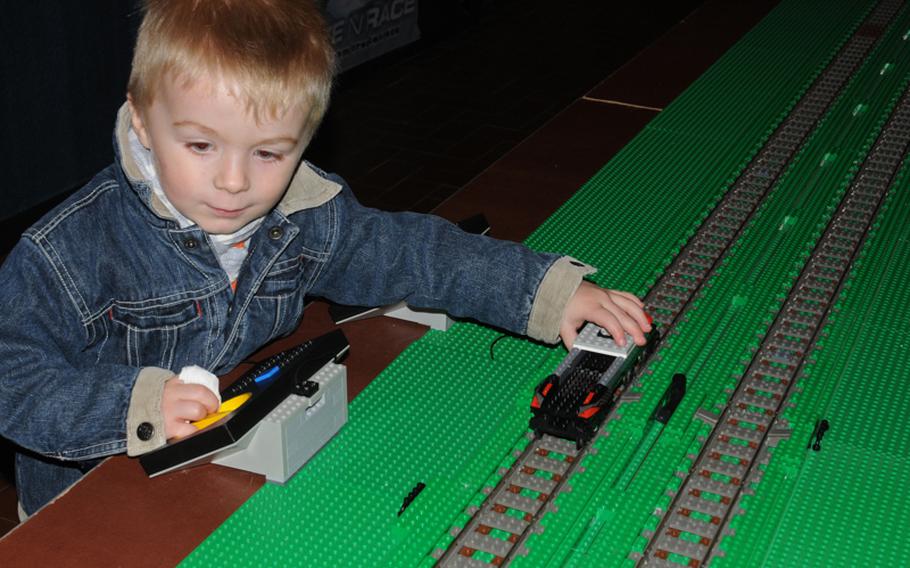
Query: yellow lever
226	408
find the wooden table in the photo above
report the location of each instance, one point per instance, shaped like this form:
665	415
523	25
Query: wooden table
118	516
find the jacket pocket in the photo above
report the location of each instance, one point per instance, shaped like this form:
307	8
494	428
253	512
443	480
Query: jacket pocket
149	336
280	298
153	318
287	278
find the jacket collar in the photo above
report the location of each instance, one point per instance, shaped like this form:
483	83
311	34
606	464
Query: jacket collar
308	188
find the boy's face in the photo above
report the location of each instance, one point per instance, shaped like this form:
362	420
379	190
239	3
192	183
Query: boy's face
217	165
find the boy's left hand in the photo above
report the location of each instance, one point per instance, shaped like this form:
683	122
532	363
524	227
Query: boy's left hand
615	311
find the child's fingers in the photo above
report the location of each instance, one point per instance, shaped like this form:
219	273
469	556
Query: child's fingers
180	430
189	410
199	394
628	296
569	334
209	400
633	307
635	330
608	320
182	412
617	312
183	403
618	323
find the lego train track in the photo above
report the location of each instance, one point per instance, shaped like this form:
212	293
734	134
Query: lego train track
509	514
511	511
692	267
709	496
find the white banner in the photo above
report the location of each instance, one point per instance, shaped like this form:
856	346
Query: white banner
364	29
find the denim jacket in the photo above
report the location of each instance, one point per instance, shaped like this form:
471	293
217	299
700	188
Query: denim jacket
106	297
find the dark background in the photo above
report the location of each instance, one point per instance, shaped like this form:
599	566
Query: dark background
64	67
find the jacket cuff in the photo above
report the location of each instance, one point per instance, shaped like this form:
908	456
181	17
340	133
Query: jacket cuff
144	420
556	289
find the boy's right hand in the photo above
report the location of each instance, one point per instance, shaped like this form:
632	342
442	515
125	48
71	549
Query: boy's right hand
183	403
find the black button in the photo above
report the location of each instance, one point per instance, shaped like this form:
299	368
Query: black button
145	431
308	388
190	243
276	233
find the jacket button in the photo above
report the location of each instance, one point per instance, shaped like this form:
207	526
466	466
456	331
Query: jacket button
276	233
145	431
190	243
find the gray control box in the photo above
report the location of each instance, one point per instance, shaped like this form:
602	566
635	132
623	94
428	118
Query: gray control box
294	431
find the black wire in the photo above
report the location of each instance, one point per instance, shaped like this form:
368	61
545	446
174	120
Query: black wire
495	341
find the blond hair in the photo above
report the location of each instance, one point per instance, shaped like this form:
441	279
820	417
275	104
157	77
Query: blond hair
277	52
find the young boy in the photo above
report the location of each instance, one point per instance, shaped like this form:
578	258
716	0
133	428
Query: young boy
198	245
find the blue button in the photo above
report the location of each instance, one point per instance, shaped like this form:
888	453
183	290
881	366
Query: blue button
268	374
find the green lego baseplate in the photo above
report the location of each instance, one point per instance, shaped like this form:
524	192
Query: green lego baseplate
452	410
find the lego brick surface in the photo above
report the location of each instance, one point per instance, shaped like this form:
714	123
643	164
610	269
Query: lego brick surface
853	486
453	409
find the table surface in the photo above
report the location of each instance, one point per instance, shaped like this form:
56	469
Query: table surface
118	515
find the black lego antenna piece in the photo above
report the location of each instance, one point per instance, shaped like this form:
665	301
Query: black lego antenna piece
671	399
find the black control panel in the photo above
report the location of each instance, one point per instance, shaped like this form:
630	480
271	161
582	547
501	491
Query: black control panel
269	383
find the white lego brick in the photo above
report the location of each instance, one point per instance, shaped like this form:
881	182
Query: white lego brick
595	338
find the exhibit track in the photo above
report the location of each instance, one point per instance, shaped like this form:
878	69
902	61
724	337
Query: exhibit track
703	507
452	419
513	509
